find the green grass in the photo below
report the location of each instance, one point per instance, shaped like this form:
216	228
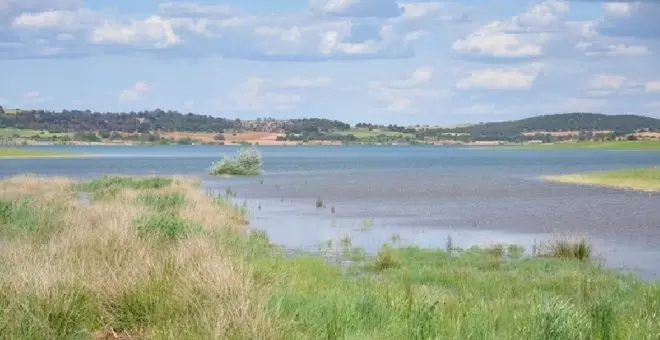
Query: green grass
650	145
644	179
104	271
365	133
413	293
110	185
31	153
162	202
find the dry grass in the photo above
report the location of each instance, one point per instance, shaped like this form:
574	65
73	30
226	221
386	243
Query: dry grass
96	274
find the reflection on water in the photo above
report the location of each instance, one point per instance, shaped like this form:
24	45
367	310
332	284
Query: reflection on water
421	194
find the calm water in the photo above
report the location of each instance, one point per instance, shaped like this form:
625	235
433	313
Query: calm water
421	194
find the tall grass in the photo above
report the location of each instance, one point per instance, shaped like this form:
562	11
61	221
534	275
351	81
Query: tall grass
248	162
167	268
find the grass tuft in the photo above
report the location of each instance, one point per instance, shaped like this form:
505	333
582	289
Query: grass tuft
167	225
569	249
162	201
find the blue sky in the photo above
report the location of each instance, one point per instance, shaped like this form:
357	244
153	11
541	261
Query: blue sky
382	61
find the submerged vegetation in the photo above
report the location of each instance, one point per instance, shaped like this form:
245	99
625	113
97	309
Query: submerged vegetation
159	259
248	162
645	179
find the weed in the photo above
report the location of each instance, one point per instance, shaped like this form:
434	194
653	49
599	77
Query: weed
562	320
319	202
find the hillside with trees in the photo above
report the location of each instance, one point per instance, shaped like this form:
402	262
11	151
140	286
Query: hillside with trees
620	125
146	125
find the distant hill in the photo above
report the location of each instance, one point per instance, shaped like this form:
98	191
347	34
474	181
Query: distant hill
620	124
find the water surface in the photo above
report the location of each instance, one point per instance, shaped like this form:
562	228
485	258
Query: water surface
422	194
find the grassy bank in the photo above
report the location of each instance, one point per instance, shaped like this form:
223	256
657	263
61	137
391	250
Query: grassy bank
31	153
155	258
647	179
650	145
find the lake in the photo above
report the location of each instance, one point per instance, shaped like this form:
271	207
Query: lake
413	194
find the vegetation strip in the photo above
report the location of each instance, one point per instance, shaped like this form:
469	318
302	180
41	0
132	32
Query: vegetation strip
31	153
652	145
645	179
155	258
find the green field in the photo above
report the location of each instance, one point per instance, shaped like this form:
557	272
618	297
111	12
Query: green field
610	145
365	133
26	133
31	153
155	258
647	179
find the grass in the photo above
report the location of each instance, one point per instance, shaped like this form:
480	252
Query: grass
644	179
641	145
180	265
31	153
248	162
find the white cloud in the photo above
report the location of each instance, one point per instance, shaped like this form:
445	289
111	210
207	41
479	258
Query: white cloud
501	78
606	82
357	8
154	31
302	83
63	19
523	36
406	93
653	86
619	8
421	10
612	50
135	92
492	39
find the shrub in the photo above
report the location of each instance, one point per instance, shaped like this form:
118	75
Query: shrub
248	162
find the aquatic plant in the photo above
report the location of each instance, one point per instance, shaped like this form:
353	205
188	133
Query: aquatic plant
319	202
248	162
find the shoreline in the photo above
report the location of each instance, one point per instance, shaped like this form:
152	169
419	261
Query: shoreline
640	180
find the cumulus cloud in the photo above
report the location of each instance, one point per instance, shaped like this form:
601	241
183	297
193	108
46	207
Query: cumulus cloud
522	36
513	78
653	86
135	92
154	31
358	8
347	29
638	20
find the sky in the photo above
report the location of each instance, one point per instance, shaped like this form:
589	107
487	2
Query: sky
380	61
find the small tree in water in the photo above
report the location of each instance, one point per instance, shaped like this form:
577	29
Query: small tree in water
248	162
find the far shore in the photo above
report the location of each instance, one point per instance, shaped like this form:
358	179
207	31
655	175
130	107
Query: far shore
646	179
